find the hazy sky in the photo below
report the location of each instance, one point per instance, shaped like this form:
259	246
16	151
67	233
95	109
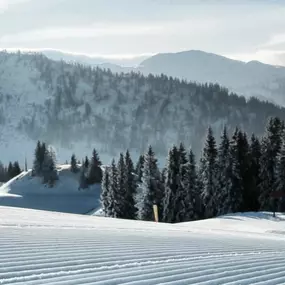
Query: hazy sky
236	28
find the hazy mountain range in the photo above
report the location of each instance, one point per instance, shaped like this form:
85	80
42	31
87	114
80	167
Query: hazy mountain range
254	78
77	108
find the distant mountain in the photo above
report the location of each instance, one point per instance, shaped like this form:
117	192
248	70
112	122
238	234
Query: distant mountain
264	81
119	62
249	79
77	107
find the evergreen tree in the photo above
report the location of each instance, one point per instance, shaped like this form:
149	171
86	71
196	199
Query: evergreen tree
189	206
95	173
255	154
121	189
16	169
73	164
49	167
172	184
105	199
131	188
270	148
10	170
208	174
139	168
224	175
113	204
235	199
37	165
149	190
280	177
86	163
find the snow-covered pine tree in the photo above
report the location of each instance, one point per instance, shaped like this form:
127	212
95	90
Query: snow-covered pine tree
172	184
224	175
270	148
105	192
113	203
37	164
95	172
73	164
139	168
188	210
86	163
208	175
149	190
280	177
255	154
131	188
120	193
234	199
10	170
49	167
16	169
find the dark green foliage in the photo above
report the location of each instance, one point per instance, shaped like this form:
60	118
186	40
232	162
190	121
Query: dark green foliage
73	164
95	172
208	175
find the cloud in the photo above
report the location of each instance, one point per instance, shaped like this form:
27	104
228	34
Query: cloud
97	30
5	4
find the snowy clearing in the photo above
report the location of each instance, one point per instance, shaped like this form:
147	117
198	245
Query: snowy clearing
40	247
25	191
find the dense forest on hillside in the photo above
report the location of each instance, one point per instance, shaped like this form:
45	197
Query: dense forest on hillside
237	175
72	103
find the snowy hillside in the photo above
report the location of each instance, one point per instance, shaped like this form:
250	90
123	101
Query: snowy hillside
249	79
254	78
76	108
50	248
26	191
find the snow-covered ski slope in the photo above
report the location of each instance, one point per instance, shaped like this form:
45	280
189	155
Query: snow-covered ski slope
38	247
25	191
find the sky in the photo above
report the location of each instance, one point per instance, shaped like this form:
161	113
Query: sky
240	29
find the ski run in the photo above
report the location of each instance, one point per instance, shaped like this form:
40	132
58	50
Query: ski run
39	247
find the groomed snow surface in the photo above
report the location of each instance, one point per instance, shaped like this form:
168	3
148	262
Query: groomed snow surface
38	247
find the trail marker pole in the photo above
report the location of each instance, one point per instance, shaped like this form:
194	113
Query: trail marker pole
155	211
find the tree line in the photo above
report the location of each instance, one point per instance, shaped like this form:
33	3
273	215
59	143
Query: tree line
8	172
238	174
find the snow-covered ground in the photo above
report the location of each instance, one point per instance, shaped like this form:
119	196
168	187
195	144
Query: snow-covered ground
40	247
26	191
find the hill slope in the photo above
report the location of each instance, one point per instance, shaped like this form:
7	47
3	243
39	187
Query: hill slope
25	191
50	248
254	78
77	108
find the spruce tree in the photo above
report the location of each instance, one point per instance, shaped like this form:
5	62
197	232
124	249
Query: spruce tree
73	164
105	192
149	190
270	148
95	172
172	184
121	189
16	169
49	171
280	177
131	188
10	170
37	165
86	163
189	199
208	174
113	203
255	154
139	168
235	199
224	175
